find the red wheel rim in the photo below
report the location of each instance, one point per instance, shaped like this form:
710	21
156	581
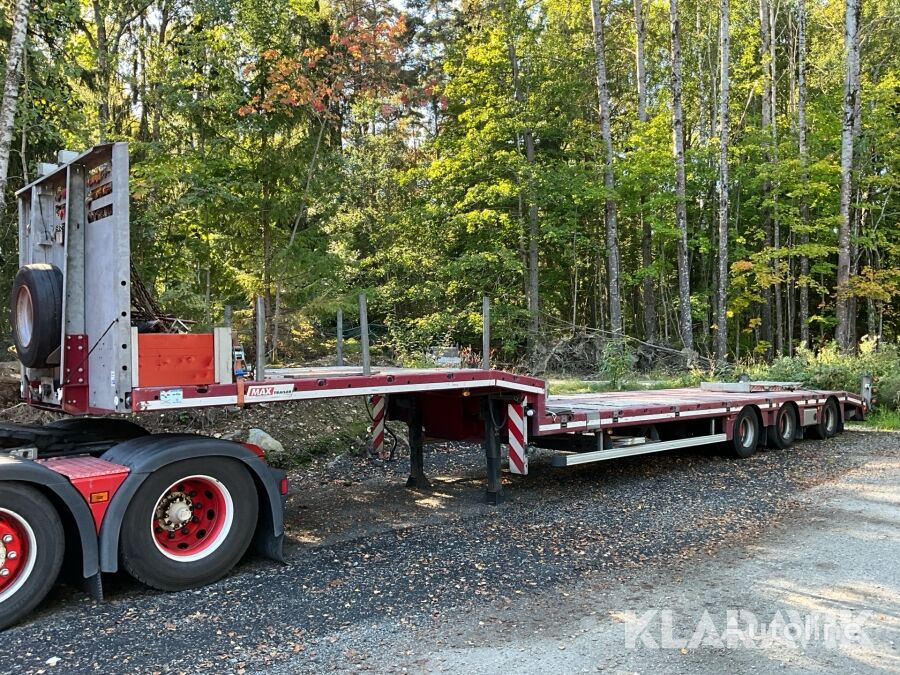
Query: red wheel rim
192	518
17	552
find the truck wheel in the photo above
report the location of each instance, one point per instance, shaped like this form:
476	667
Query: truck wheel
189	523
35	313
829	420
31	550
105	428
745	433
783	430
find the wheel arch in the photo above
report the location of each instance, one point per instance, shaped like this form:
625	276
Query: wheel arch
146	454
73	511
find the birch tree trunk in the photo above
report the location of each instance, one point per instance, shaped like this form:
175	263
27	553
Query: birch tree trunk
612	233
849	109
648	292
804	175
765	37
103	75
11	93
684	277
640	33
722	287
532	295
776	227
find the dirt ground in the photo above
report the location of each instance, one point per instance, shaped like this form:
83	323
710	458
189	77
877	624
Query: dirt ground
380	578
835	562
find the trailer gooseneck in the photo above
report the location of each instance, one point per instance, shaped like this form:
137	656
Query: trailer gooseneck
178	511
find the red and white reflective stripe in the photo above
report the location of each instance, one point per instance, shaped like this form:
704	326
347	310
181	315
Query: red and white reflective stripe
518	438
378	402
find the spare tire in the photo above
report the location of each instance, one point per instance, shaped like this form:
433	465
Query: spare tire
35	309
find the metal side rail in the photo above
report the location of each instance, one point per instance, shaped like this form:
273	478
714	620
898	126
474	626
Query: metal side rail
573	458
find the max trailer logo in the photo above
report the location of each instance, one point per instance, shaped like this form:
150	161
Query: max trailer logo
259	391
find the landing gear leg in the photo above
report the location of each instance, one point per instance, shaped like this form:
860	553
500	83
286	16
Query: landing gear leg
417	477
494	494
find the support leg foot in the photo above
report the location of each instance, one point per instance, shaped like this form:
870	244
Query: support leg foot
418	482
493	498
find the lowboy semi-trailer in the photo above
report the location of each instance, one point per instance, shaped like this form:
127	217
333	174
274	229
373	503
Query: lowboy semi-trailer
177	511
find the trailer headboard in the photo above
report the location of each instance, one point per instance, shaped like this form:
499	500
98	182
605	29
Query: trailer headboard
75	218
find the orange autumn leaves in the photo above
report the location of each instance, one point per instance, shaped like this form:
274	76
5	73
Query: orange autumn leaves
363	60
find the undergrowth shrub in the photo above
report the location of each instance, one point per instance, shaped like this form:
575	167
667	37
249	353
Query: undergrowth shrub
829	369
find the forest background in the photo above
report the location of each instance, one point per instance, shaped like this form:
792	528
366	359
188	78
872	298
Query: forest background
637	181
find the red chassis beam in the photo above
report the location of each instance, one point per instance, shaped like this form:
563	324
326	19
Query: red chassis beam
327	384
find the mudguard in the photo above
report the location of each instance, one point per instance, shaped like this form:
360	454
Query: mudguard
27	471
148	453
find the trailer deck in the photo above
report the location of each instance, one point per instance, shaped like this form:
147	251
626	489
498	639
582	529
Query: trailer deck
466	404
586	412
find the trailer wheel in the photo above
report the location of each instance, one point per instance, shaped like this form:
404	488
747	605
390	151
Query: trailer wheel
31	550
782	432
189	523
828	424
745	433
35	313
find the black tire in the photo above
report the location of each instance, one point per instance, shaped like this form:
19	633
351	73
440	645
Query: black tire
143	557
35	313
101	428
783	431
829	421
20	503
745	433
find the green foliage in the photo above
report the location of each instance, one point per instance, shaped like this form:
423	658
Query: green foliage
616	362
829	369
883	420
307	152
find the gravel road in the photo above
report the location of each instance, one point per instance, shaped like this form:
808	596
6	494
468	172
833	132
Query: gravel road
382	578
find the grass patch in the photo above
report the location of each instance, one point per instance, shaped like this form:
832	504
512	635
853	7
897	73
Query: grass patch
576	386
882	420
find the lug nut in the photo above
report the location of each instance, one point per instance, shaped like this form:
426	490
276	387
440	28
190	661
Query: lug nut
12	555
7	538
4	572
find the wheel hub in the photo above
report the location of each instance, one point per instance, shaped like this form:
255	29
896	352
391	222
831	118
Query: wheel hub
191	518
24	316
746	432
15	551
786	426
830	419
174	511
